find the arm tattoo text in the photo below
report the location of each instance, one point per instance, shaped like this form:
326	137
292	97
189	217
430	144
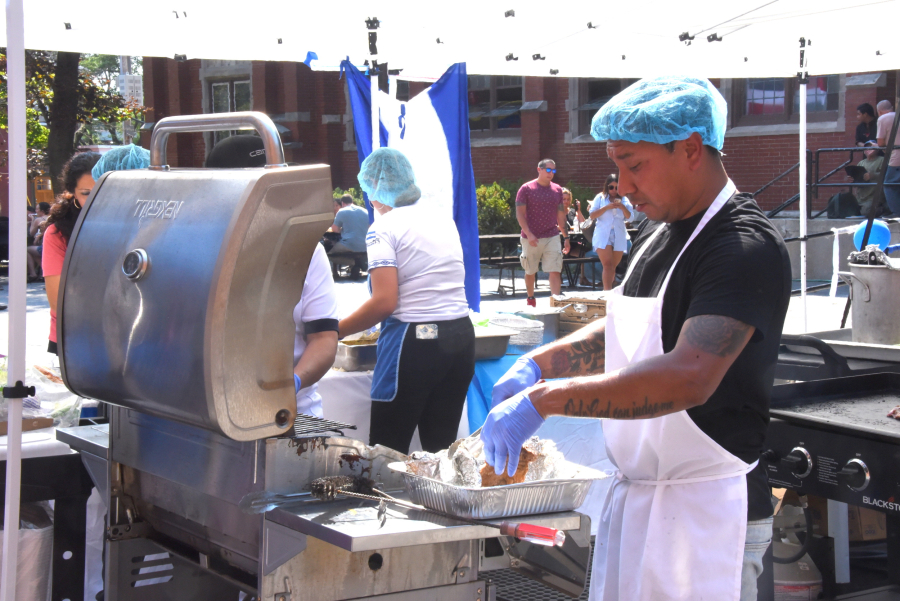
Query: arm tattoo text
716	334
595	408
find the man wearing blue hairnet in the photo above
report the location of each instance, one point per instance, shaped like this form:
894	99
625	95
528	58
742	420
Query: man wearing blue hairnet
682	367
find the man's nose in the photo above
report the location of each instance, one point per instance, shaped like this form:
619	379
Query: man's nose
626	186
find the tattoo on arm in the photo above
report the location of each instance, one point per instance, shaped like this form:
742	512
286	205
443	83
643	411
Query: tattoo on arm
716	334
598	409
585	356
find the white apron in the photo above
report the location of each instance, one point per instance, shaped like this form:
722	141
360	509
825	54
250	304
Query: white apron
674	522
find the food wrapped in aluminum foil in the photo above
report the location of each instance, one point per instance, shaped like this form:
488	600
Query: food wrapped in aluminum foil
462	464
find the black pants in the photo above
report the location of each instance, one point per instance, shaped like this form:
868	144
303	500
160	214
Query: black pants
433	378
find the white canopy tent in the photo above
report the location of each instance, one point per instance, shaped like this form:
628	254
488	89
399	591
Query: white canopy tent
758	37
735	39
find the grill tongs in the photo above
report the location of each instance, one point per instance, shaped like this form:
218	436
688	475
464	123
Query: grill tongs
357	487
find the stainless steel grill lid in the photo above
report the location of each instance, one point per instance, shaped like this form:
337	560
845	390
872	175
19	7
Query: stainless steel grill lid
177	292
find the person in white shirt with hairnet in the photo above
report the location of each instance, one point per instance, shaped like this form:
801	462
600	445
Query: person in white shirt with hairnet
426	348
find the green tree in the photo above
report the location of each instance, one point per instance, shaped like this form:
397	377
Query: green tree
61	97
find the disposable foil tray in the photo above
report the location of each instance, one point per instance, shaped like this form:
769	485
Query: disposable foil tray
541	496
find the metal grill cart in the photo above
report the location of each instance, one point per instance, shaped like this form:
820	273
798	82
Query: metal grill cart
176	309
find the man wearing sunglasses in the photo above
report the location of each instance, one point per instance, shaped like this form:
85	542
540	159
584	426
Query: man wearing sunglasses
542	215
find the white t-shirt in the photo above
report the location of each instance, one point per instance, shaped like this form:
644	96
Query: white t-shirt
428	256
318	302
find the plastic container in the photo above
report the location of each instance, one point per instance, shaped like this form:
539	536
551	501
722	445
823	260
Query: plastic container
529	336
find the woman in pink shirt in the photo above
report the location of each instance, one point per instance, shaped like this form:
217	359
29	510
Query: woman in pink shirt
77	185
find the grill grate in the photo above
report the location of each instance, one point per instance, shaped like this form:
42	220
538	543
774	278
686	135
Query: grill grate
304	425
512	586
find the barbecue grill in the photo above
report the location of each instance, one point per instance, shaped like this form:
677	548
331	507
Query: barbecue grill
176	303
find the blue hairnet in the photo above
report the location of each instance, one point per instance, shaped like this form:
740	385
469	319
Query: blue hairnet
122	158
662	110
387	176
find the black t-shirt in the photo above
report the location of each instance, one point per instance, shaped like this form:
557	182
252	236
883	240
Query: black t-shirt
737	267
866	131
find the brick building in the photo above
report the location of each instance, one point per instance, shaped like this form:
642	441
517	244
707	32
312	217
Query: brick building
514	121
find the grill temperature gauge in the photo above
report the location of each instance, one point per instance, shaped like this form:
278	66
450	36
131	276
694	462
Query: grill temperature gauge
136	264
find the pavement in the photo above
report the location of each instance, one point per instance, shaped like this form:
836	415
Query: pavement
822	312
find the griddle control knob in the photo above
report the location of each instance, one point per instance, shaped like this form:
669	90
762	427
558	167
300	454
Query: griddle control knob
136	264
799	461
855	474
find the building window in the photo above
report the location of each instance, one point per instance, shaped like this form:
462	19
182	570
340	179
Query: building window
586	97
494	104
228	97
773	101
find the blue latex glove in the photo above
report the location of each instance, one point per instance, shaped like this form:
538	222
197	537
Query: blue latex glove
297	384
524	373
506	429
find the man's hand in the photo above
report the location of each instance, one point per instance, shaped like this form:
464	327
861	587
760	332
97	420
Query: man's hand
567	247
523	374
866	176
506	429
532	241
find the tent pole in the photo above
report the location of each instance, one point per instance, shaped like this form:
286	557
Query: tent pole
15	55
802	79
376	115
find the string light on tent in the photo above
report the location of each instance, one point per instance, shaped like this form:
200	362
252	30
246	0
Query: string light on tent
554	71
509	13
713	37
510	57
591	25
537	57
68	25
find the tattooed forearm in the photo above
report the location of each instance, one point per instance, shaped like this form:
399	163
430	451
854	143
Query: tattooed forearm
716	334
598	409
581	357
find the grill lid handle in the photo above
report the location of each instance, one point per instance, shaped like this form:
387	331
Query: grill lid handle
216	122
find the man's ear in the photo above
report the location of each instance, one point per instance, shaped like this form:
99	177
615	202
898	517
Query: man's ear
693	151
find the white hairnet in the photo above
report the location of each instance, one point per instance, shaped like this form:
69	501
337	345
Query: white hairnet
662	110
387	176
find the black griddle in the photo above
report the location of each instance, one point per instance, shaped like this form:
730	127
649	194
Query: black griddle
854	405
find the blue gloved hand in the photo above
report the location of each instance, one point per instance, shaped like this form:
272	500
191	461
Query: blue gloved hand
297	384
524	373
506	429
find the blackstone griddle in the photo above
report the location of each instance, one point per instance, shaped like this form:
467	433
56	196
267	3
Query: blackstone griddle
832	438
176	304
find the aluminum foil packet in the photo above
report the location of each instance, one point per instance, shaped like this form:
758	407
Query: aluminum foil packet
461	464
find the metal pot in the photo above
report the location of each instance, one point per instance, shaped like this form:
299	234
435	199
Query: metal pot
875	290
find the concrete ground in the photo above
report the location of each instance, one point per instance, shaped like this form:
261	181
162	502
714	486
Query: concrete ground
823	313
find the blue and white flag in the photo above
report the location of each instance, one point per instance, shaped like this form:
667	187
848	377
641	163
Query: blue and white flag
432	130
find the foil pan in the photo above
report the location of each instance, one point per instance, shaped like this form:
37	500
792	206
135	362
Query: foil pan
527	498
